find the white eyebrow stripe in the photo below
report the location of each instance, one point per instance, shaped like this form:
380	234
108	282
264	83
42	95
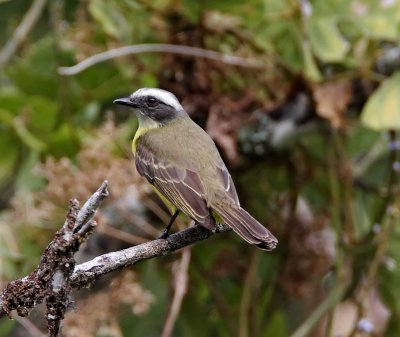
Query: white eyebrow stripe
160	94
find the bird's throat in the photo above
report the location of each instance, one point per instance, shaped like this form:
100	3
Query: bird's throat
145	124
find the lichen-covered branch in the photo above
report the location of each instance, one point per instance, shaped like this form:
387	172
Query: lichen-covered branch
56	274
86	273
51	281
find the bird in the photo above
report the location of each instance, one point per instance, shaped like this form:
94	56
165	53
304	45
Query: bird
183	165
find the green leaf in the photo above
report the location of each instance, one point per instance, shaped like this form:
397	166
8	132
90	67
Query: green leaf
27	137
43	114
26	181
35	73
110	18
326	40
331	7
225	5
9	152
311	70
11	103
193	8
31	117
381	27
285	40
382	110
20	128
63	142
6	327
277	325
101	83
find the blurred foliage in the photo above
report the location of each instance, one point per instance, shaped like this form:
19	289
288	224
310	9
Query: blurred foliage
311	140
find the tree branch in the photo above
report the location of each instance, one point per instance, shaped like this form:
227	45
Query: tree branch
57	274
50	281
159	48
26	25
88	272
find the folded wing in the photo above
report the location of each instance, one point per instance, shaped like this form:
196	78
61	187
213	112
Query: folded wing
180	186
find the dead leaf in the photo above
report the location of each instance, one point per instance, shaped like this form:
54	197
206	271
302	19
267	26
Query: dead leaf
331	100
225	117
220	129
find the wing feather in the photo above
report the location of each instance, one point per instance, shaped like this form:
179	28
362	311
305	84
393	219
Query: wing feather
181	186
227	182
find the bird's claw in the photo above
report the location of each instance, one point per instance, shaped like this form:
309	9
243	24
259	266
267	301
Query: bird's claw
163	235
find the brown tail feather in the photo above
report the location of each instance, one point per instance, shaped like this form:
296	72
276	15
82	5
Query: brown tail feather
248	228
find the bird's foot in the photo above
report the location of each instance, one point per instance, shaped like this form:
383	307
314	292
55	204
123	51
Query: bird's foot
164	234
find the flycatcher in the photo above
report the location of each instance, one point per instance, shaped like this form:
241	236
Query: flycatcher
182	163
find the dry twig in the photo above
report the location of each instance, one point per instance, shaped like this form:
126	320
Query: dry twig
180	284
31	328
26	25
159	48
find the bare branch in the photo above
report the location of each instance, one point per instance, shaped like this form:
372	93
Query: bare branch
31	328
180	284
26	25
245	303
159	48
86	273
82	223
57	274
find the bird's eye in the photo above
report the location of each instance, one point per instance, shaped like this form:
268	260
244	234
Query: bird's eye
151	102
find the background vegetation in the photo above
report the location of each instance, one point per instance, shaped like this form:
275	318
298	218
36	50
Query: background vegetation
308	130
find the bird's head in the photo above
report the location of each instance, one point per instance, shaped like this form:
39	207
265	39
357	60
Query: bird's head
153	104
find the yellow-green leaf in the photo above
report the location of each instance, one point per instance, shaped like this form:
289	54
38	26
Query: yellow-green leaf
381	27
9	153
382	110
326	40
109	16
311	70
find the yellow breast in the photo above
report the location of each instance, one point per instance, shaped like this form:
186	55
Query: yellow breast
141	131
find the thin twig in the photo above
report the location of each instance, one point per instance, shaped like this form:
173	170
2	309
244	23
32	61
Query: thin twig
120	234
329	302
224	309
159	48
31	328
245	303
346	176
391	181
140	223
181	286
89	208
157	210
383	239
26	25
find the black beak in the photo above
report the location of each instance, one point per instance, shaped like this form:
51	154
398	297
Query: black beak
125	101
